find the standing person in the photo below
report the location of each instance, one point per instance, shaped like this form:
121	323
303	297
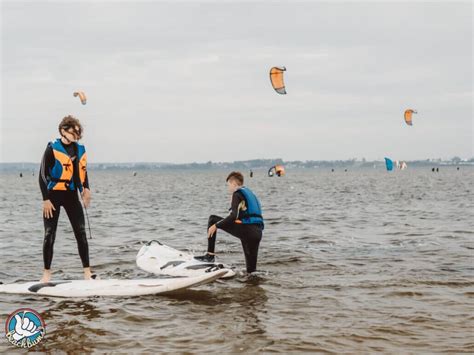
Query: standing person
63	174
245	221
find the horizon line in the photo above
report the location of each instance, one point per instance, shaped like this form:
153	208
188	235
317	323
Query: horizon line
361	160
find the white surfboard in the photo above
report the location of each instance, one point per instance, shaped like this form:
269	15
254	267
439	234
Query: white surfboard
161	259
88	288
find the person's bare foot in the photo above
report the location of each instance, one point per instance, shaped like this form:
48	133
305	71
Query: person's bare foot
87	273
46	276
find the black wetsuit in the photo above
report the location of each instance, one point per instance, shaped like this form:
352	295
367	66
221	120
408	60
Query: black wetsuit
249	234
69	199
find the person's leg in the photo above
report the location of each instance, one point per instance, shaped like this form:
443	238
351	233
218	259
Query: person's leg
50	227
211	242
250	244
250	236
75	214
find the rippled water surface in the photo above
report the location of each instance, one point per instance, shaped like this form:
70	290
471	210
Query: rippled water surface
353	261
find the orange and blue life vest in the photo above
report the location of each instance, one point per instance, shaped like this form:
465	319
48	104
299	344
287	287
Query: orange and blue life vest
252	212
61	175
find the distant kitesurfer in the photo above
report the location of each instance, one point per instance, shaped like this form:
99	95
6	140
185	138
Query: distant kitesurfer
63	174
244	221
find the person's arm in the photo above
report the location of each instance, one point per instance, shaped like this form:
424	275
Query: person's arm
47	164
86	193
86	182
237	198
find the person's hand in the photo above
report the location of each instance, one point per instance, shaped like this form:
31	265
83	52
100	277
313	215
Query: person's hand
24	327
48	209
212	229
86	197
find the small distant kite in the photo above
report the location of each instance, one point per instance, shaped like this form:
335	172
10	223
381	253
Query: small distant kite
82	96
276	78
408	116
277	170
389	164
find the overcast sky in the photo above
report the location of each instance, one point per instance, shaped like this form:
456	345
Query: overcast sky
188	81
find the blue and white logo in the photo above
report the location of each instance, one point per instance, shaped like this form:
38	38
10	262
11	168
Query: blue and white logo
25	328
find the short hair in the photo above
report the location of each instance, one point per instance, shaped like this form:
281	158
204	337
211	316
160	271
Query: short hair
71	122
236	176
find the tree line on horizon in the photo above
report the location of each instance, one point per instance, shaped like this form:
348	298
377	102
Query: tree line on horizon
249	164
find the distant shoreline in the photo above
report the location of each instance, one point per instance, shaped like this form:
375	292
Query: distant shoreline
257	164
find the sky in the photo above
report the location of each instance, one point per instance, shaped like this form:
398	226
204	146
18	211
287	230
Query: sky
188	81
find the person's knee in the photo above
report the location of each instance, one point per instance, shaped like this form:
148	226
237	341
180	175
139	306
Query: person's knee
213	219
49	235
80	231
